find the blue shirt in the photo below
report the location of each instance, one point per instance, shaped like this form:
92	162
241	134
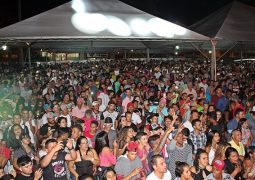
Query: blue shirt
164	111
232	125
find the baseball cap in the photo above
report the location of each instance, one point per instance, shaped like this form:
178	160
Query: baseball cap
80	100
154	127
162	101
218	164
94	103
49	115
132	146
46	106
130	105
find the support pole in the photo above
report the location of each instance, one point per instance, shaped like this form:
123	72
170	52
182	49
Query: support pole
148	54
241	53
213	60
125	54
29	56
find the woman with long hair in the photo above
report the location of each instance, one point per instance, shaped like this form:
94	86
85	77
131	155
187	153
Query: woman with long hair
213	140
182	171
233	164
201	168
26	148
220	151
107	158
125	136
249	163
86	160
13	140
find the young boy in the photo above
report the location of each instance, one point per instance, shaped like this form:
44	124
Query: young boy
25	166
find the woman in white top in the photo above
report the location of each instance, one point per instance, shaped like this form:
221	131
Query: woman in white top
213	139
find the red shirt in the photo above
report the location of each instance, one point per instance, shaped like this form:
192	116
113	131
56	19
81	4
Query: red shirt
5	152
87	123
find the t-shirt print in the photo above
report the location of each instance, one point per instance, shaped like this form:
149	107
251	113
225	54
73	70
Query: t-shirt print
59	169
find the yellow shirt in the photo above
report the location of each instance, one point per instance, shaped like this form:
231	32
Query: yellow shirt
240	148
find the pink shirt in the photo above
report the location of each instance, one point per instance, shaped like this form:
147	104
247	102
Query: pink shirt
79	113
87	123
125	103
107	159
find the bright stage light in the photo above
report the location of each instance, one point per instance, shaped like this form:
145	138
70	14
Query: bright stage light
4	47
210	52
118	27
78	6
164	28
89	23
177	47
176	29
160	27
176	53
140	27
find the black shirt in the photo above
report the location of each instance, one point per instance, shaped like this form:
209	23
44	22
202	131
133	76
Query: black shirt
22	177
56	168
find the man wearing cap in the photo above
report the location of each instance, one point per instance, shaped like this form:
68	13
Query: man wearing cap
79	110
160	109
129	166
48	129
44	120
218	173
107	127
112	114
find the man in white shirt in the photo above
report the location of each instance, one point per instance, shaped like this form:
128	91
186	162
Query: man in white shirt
203	84
136	119
111	113
191	91
160	171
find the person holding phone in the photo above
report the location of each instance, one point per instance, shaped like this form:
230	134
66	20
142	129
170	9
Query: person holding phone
53	163
25	166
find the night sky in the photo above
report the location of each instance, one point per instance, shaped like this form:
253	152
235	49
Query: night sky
183	12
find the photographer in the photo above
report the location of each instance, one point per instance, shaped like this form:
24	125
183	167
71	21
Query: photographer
53	163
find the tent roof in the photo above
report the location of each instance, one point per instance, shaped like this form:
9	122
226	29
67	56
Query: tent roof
233	22
56	24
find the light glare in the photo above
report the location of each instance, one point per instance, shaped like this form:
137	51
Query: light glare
140	27
118	27
89	23
160	27
4	47
78	6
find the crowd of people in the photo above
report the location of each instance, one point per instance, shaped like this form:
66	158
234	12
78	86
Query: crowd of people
127	120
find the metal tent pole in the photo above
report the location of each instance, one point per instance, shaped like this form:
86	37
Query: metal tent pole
213	60
29	57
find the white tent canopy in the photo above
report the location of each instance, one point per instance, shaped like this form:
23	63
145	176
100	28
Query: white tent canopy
96	19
